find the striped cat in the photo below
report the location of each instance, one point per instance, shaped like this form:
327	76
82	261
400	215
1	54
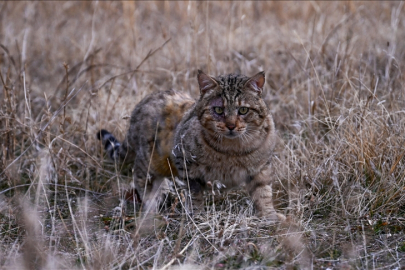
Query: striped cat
226	135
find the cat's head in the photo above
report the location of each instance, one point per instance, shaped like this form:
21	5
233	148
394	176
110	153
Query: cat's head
231	106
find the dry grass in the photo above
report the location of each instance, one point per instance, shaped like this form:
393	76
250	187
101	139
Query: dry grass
334	84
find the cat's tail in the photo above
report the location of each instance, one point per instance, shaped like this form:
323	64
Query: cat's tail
114	149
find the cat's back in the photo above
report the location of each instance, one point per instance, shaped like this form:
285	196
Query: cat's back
161	104
152	126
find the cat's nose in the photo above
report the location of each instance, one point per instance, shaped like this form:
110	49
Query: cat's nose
230	126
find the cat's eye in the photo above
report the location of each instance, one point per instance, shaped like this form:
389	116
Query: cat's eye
219	110
243	110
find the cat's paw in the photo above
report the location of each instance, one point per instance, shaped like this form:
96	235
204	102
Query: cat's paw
272	215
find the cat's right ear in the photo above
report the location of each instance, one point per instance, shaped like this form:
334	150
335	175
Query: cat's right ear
256	82
205	82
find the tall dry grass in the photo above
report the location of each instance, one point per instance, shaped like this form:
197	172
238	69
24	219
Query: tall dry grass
335	86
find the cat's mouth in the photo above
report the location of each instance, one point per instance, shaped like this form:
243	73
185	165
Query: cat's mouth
231	134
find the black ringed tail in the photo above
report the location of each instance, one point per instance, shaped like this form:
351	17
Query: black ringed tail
111	144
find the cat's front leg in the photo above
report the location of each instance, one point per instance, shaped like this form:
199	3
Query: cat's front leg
260	189
186	172
195	200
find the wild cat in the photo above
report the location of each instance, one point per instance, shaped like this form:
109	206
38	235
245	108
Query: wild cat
227	134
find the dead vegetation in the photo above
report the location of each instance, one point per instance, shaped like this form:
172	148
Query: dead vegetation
334	84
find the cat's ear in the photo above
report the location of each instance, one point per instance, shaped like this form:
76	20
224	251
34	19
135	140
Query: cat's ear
256	82
205	82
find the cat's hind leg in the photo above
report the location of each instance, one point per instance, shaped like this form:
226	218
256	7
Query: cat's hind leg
152	188
155	195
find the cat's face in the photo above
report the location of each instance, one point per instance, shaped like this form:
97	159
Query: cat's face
232	106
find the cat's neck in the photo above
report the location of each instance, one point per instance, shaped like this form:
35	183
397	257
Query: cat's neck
232	147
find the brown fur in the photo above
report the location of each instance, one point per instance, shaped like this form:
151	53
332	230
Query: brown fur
170	133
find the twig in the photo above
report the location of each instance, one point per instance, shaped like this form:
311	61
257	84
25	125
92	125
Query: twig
58	185
181	252
150	54
43	128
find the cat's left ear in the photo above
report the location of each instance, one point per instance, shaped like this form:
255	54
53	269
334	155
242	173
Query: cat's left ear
256	82
205	82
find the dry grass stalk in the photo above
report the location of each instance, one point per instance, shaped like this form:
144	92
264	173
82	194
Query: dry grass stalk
336	89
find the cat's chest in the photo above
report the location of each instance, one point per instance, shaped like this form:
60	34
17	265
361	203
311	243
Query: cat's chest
230	170
233	164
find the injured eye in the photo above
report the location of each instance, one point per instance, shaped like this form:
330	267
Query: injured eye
218	110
